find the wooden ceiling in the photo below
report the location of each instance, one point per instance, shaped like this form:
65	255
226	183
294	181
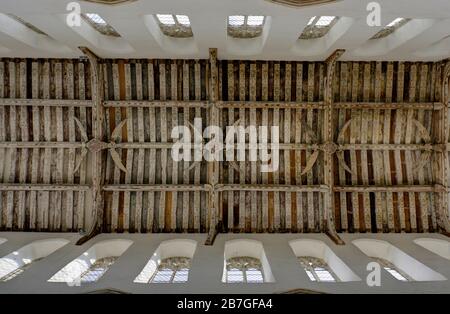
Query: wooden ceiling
386	122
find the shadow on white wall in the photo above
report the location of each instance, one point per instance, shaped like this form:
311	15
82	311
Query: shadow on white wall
437	246
384	250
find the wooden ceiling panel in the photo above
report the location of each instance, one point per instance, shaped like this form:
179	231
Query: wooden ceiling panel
384	138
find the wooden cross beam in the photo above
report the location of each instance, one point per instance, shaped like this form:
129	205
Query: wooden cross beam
98	157
441	160
328	158
213	166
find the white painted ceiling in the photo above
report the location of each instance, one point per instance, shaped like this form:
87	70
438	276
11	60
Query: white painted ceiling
424	38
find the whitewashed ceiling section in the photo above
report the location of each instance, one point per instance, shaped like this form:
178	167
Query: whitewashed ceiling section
426	37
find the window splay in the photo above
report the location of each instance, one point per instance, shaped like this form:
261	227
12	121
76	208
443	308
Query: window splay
391	28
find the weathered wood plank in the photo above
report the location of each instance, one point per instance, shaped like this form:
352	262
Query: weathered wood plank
44	214
24	154
174	123
365	117
265	122
342	119
230	194
354	130
388	217
152	154
287	154
298	155
197	198
186	164
377	157
67	219
276	123
141	153
80	216
163	132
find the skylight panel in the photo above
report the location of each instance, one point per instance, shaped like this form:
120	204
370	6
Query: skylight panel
166	19
317	269
325	20
236	20
310	275
95	18
163	276
175	25
97	22
395	22
393	270
235	276
184	20
254	276
172	270
181	275
97	269
391	27
395	274
255	20
324	275
318	26
245	26
244	270
311	21
25	23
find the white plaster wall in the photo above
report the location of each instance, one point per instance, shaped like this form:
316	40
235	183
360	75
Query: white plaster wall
141	37
207	265
437	246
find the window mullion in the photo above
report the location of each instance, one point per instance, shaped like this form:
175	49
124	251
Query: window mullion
313	271
174	272
315	21
177	23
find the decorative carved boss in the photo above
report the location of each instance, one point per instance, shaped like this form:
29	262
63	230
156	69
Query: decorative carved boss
338	149
302	3
95	145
